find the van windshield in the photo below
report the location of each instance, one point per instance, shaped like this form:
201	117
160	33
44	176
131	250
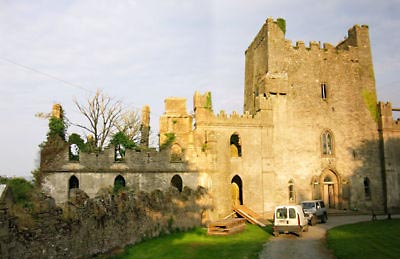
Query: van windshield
307	205
281	213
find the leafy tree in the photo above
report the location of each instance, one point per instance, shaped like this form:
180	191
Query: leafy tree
121	138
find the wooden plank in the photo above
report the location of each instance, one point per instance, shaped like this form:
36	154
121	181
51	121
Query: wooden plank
250	215
226	227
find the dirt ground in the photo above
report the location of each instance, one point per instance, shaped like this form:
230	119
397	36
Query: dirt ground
313	242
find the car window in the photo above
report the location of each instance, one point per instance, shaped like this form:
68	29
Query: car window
322	204
292	213
281	213
307	205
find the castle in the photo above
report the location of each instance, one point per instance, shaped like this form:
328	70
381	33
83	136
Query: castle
312	129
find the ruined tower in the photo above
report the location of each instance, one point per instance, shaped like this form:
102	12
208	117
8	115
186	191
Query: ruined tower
145	126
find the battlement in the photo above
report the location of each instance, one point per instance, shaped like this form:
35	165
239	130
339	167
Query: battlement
205	116
358	36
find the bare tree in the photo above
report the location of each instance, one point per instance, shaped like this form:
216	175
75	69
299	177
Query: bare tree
129	124
103	114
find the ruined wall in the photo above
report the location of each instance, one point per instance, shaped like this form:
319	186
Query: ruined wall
85	227
146	170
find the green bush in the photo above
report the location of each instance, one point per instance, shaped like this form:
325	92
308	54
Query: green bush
57	127
170	139
21	189
282	24
121	138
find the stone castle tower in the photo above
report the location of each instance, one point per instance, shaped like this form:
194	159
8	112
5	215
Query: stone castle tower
311	129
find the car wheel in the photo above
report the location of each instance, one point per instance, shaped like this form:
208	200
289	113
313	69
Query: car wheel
306	228
324	218
314	221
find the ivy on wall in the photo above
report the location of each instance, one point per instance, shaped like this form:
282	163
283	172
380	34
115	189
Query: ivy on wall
281	24
370	101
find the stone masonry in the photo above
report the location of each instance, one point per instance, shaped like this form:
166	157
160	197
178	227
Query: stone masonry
311	129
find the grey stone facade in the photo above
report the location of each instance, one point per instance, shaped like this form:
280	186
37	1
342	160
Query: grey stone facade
311	129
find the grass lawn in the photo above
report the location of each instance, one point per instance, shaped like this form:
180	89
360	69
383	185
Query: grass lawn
196	244
372	239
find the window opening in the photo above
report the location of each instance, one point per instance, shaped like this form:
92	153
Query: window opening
327	143
74	152
367	188
292	213
176	182
236	148
281	213
119	183
323	91
292	197
73	182
119	153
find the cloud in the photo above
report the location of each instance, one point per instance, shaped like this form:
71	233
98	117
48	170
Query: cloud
145	51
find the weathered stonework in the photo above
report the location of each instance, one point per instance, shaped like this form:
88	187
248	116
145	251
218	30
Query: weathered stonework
85	227
311	128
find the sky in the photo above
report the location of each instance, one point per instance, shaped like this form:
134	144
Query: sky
142	52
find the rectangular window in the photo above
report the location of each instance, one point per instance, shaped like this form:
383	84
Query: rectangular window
323	91
292	213
281	213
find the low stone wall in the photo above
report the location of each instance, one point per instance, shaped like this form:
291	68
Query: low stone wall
85	227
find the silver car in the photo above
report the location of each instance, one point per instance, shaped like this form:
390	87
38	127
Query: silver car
315	210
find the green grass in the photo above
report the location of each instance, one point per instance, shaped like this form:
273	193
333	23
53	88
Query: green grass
196	244
373	239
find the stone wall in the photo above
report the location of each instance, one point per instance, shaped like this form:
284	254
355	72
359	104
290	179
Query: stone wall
87	226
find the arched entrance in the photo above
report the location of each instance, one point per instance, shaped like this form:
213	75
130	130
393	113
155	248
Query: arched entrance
177	182
119	183
329	188
73	183
236	191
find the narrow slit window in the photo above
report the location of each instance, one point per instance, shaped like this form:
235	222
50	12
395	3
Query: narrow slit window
367	188
292	197
323	91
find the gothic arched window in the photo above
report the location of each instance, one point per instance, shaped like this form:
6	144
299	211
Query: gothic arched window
327	143
236	147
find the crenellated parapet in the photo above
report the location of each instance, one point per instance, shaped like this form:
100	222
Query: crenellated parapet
204	116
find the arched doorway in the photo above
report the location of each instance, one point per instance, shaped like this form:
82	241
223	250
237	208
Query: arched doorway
330	189
119	183
236	191
177	182
73	183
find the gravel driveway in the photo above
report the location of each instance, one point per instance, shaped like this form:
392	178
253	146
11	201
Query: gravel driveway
313	242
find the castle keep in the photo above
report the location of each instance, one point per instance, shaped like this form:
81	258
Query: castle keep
311	129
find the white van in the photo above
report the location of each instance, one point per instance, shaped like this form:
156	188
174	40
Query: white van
289	219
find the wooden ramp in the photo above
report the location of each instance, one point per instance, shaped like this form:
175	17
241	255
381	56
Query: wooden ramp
226	227
248	214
